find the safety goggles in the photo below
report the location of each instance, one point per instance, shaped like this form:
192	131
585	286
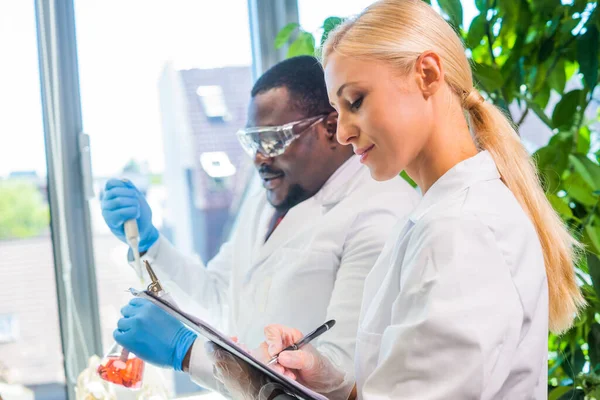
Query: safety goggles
271	141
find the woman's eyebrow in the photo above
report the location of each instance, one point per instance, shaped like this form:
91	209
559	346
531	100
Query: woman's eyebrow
341	89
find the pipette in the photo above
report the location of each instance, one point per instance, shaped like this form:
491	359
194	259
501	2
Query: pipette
132	235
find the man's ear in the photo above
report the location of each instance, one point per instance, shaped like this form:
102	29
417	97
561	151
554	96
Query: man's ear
331	126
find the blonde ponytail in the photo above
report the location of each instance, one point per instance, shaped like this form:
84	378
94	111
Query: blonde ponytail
397	32
494	133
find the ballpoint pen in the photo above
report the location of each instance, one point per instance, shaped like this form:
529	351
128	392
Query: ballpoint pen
306	339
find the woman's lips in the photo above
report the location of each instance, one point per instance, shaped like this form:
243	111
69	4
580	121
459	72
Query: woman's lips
364	152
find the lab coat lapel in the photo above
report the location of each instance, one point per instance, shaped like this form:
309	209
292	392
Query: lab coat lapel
350	175
297	219
261	233
306	214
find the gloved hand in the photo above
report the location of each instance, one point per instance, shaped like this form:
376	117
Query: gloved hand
238	380
307	365
153	335
121	202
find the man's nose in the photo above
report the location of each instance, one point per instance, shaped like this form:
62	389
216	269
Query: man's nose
260	159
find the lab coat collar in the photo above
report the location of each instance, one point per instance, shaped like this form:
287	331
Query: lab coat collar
478	168
340	182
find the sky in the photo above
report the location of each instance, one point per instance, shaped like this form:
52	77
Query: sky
123	45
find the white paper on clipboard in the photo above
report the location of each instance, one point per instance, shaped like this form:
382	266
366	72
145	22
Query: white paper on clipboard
202	328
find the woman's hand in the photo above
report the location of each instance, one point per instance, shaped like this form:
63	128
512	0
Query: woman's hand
307	365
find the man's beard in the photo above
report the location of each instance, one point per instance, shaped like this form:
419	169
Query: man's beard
296	195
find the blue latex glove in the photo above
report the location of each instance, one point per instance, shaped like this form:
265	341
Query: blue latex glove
121	202
153	335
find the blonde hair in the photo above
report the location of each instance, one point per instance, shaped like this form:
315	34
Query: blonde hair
397	32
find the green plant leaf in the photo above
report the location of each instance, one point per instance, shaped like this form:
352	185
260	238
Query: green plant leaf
284	34
592	233
544	7
453	9
524	20
552	160
564	112
476	31
587	55
546	49
573	394
583	140
408	179
578	190
490	77
304	45
576	360
557	393
570	69
540	113
587	169
594	269
541	78
482	5
568	25
588	244
594	335
541	99
509	9
560	206
328	25
558	78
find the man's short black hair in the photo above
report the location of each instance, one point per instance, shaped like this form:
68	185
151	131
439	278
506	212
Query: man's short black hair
303	77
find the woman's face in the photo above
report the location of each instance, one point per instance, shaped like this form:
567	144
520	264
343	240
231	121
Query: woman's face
384	116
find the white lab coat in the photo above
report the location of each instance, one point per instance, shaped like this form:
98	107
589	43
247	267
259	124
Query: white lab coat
457	305
310	270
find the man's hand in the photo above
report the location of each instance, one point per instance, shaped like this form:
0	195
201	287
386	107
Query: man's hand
153	335
122	201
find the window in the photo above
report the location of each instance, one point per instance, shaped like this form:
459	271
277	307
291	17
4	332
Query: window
213	101
152	89
216	164
31	356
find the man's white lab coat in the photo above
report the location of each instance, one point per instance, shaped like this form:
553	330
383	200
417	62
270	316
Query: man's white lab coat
457	305
310	270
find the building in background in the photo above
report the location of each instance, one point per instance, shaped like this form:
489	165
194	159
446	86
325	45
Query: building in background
206	170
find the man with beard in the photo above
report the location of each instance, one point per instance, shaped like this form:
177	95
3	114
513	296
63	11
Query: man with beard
302	247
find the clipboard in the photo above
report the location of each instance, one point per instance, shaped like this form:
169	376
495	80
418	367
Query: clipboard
204	329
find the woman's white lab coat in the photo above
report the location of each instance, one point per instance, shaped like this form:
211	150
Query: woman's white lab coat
312	268
457	305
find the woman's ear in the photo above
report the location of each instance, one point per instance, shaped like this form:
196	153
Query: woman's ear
429	73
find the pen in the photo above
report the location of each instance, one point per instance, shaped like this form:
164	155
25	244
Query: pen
306	339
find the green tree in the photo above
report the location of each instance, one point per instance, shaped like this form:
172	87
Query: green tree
522	52
23	211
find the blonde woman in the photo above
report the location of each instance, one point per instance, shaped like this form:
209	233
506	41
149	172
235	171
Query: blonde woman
459	303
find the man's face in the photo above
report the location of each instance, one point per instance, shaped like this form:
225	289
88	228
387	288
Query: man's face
301	170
